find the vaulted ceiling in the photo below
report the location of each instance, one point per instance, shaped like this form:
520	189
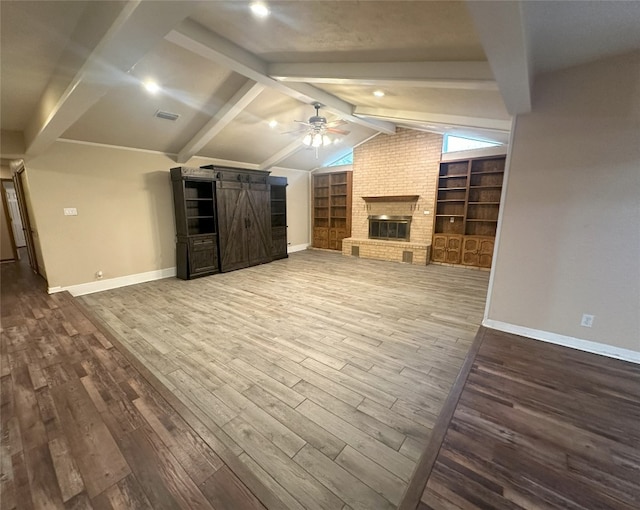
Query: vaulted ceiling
238	82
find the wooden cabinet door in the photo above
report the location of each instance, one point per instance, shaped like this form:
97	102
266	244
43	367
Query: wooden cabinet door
203	255
439	248
232	218
485	251
454	249
258	225
477	251
321	237
470	251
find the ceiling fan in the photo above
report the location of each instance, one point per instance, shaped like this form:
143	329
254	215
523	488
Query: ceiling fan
318	129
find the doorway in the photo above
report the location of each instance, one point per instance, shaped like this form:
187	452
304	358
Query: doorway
13	210
27	230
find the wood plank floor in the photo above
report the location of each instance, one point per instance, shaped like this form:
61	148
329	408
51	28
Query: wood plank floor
540	426
323	375
81	428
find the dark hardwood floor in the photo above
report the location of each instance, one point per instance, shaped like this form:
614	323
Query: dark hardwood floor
538	426
82	427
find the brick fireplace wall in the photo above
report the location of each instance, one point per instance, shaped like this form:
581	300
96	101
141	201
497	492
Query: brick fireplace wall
405	163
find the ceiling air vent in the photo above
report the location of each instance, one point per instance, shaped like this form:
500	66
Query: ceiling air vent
167	115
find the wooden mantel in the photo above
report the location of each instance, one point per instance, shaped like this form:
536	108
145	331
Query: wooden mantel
393	198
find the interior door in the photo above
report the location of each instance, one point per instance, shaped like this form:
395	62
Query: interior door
26	224
232	225
14	213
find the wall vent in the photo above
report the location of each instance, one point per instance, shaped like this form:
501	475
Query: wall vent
355	251
167	115
407	256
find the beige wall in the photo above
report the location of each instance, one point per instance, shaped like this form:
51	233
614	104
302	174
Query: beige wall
570	238
298	207
125	222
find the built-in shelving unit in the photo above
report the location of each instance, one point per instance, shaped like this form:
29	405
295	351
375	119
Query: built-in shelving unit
331	209
467	206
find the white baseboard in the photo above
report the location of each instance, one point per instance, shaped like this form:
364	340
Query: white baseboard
297	247
113	283
566	341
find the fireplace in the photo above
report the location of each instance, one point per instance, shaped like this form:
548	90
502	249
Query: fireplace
390	228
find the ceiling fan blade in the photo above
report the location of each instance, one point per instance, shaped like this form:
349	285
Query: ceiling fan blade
303	122
336	123
294	132
338	131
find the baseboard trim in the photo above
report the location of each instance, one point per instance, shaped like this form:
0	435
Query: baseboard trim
297	247
565	341
113	283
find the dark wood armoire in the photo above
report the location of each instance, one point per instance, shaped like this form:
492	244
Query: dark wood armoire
223	219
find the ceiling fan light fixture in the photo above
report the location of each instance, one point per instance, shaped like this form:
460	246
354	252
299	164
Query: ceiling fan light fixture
317	140
326	140
307	139
259	9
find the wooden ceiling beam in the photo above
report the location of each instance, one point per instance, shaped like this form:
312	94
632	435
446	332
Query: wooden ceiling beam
500	26
451	75
401	116
128	36
201	41
229	111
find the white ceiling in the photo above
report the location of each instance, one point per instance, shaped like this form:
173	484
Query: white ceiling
74	70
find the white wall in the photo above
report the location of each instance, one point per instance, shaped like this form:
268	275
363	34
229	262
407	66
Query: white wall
125	223
569	241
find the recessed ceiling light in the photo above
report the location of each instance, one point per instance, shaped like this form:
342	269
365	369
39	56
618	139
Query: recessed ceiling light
273	123
259	9
378	93
151	87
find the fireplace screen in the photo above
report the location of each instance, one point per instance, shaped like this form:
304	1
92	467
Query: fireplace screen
392	228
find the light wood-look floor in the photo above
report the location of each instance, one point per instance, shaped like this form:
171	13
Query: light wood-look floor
322	374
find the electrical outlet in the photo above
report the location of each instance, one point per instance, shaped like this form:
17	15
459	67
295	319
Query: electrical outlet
70	211
587	320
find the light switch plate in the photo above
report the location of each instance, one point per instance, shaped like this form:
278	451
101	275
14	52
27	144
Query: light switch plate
70	211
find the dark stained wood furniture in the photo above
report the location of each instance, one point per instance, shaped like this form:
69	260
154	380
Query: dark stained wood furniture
224	219
278	186
467	208
194	198
243	203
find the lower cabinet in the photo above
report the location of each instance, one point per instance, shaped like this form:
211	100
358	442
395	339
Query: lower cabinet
336	235
477	251
474	251
446	248
321	237
196	256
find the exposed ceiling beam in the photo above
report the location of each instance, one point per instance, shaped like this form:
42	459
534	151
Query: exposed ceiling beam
281	155
458	75
197	39
435	118
229	111
502	33
128	38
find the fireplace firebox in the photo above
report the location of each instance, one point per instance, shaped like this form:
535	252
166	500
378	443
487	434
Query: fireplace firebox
390	228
